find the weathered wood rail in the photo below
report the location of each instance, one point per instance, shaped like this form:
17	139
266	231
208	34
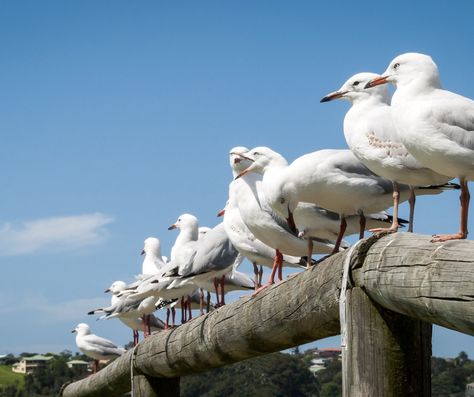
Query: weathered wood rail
399	285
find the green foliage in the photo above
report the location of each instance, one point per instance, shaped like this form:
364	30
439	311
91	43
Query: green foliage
449	377
274	375
10	381
45	382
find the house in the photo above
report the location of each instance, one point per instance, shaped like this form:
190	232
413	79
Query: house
78	364
470	390
29	365
331	353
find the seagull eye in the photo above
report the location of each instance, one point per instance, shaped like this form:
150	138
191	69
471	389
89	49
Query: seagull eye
355	83
396	66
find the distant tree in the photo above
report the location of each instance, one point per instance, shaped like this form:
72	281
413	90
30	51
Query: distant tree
274	375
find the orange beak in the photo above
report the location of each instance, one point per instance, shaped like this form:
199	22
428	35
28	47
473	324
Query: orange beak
220	213
377	81
173	226
333	95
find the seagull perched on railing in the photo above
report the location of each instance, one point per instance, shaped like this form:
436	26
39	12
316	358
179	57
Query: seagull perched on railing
94	346
372	136
332	179
436	126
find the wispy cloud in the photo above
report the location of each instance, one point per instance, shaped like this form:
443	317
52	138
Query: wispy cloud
53	234
48	311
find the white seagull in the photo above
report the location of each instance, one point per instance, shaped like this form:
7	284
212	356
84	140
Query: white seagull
94	346
267	226
135	323
371	135
436	126
331	179
257	252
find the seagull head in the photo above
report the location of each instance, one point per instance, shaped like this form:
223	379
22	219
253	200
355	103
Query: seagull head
116	287
354	90
202	231
185	221
151	245
237	162
82	329
261	158
407	69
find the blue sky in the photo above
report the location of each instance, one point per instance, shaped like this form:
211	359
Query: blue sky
116	117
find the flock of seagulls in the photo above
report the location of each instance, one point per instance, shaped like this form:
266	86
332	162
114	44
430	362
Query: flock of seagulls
281	214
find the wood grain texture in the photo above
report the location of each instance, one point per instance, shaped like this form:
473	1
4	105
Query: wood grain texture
387	354
403	272
407	274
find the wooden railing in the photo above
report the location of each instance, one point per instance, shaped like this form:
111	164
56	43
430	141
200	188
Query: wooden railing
397	286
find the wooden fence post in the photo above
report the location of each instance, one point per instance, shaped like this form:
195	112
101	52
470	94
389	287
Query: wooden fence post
146	386
387	354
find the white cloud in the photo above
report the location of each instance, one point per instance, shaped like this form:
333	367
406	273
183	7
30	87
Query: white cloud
53	234
49	312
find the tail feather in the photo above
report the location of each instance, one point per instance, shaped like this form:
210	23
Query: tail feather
444	186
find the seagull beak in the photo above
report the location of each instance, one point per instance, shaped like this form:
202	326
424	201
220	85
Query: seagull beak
143	252
242	173
333	95
220	213
173	226
107	290
243	157
377	81
73	331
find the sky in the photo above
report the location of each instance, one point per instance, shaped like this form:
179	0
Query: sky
118	116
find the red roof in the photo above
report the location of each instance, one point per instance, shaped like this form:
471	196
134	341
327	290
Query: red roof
330	349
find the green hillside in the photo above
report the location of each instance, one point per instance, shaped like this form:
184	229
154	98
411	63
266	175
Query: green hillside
7	377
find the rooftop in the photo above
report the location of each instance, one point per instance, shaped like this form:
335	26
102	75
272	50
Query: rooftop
37	357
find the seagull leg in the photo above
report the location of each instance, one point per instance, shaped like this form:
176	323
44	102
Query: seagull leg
188	304
310	252
183	311
280	269
216	287
201	301
396	200
411	201
362	222
255	271
464	199
260	276
278	260
173	316
144	326
167	318
222	290
208	303
342	230
148	320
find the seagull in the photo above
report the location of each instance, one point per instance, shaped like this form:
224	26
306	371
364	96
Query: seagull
185	244
266	225
332	179
372	136
135	323
435	125
94	346
153	261
214	257
257	252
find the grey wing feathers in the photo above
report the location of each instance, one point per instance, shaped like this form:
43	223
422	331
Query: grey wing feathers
214	252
